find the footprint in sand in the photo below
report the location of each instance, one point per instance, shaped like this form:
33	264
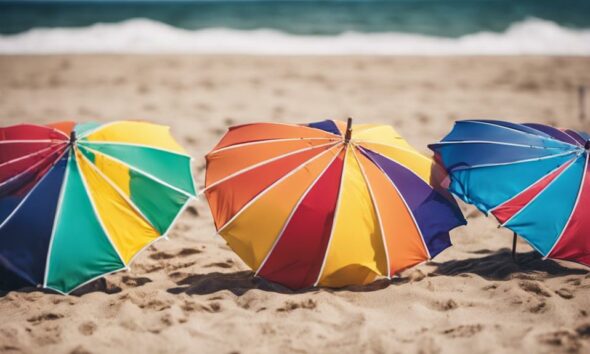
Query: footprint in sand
533	287
445	305
161	255
463	331
167	320
490	287
185	252
227	264
565	293
562	341
190	306
574	281
181	265
538	307
49	316
9	349
191	210
416	275
87	328
135	281
156	305
148	268
212	307
289	306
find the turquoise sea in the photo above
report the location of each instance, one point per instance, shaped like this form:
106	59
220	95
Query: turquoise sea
554	20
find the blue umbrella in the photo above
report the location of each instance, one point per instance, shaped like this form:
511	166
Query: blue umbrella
533	178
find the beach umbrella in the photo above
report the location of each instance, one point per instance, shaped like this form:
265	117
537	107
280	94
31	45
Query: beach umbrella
532	178
78	201
327	203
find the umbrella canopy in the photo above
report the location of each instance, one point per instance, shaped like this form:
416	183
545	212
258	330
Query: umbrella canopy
533	178
78	201
321	204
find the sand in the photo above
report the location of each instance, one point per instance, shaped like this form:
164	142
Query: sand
192	294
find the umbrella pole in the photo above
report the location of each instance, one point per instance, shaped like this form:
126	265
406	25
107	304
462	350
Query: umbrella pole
348	130
514	247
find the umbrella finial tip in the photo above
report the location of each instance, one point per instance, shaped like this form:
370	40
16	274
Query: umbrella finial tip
348	130
587	146
73	137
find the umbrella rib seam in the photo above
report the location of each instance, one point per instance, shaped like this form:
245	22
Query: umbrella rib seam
148	175
571	152
286	125
96	129
461	142
338	201
265	162
37	126
36	184
96	213
337	128
30	141
165	234
584	175
537	196
32	168
568	131
293	211
118	190
26	197
96	142
515	130
271	186
377	212
20	158
106	125
265	141
300	126
401	164
404	200
415	153
529	187
56	217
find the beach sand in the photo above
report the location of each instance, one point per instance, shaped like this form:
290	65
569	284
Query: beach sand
192	294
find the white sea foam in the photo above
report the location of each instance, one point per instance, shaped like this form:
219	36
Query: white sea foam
533	36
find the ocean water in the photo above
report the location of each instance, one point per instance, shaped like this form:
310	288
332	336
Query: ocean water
297	26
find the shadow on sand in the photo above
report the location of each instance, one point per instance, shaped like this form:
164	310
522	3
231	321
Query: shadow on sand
500	266
486	264
99	285
241	282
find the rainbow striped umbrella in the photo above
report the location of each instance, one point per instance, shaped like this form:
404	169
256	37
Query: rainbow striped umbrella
533	178
326	204
78	201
